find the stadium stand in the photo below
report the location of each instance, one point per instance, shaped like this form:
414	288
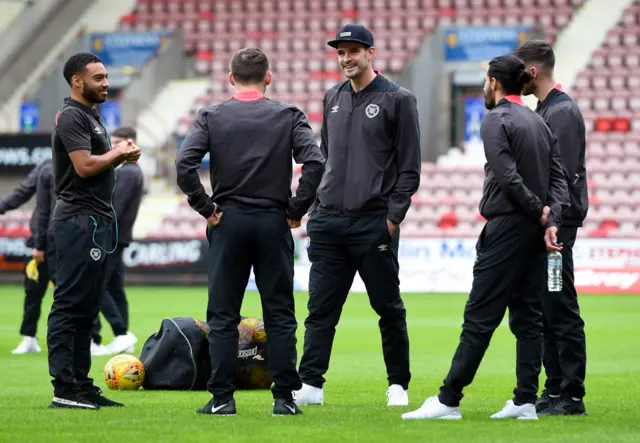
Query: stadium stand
607	92
294	34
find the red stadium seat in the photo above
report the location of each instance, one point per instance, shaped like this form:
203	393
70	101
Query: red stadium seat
607	90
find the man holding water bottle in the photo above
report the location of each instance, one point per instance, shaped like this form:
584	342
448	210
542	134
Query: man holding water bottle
565	349
524	197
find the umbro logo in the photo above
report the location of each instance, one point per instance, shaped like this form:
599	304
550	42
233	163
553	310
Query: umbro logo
335	109
382	248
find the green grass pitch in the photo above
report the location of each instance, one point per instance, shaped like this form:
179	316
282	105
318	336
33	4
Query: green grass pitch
355	408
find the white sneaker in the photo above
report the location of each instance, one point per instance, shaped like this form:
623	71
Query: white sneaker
397	396
522	412
98	350
308	395
121	343
26	346
433	409
130	350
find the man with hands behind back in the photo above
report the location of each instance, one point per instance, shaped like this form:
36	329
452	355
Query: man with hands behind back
251	141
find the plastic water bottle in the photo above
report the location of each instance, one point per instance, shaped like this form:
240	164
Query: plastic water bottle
554	271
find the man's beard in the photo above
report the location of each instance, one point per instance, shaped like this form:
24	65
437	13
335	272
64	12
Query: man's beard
487	102
357	71
92	96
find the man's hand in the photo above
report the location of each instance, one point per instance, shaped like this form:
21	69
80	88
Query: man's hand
544	218
129	150
551	239
38	255
293	224
214	219
391	226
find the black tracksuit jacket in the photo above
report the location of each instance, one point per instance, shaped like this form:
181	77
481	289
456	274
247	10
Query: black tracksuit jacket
565	120
371	140
22	194
45	203
251	144
127	199
523	172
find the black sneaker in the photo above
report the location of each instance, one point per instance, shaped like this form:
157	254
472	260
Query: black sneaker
94	395
546	401
285	407
72	401
565	406
215	407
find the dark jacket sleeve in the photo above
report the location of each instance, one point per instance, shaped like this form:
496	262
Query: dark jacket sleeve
23	192
408	158
188	160
558	194
563	124
307	153
503	165
124	193
324	149
43	208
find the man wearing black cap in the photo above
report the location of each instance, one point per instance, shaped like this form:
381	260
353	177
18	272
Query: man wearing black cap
371	139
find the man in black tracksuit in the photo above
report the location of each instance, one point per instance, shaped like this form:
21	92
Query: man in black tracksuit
371	139
83	230
525	191
251	140
565	349
34	290
44	251
126	202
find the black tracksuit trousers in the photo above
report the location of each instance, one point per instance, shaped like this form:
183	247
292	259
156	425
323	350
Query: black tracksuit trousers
340	246
509	272
246	238
115	307
35	291
80	274
565	348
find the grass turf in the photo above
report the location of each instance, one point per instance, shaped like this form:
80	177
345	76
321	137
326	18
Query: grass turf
355	408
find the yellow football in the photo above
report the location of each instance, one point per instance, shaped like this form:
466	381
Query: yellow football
124	372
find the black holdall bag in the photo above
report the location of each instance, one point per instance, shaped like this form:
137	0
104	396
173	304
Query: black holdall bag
177	356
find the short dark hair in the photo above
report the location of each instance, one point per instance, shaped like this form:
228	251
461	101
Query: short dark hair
125	132
78	63
537	51
510	72
249	66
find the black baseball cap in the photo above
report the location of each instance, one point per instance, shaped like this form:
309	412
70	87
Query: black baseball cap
352	33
